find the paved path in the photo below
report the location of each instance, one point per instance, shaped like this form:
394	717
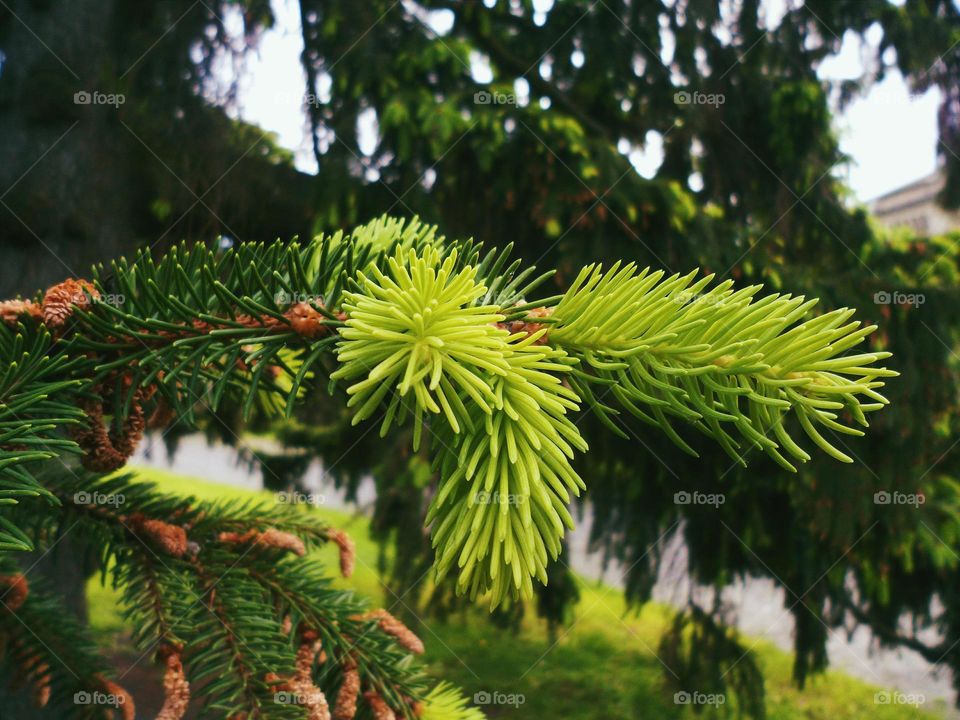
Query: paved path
757	604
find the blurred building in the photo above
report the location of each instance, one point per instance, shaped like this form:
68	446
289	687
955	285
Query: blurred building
915	206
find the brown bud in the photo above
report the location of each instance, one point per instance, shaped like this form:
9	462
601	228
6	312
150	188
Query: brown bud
11	311
282	541
172	539
13	591
379	708
176	689
271	537
40	695
107	451
392	626
308	694
306	321
60	299
346	706
348	551
306	653
128	711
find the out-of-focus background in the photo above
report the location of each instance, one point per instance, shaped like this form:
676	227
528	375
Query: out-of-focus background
812	146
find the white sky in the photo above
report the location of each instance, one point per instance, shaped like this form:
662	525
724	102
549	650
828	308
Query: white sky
890	136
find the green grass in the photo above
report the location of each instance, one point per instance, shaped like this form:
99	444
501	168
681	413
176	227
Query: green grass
603	665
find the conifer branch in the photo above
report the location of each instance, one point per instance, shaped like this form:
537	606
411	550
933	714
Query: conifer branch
49	661
421	329
718	358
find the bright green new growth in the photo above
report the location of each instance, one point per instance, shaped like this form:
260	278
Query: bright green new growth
498	406
502	504
717	358
505	448
445	702
416	329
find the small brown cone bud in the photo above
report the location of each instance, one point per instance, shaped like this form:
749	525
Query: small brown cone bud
348	551
11	311
105	451
533	327
529	325
317	707
40	691
13	591
128	711
306	653
302	684
306	321
60	299
176	689
172	539
271	537
405	637
282	541
380	709
346	706
235	538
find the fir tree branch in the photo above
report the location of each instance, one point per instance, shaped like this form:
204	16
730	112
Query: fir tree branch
35	390
720	359
50	654
443	334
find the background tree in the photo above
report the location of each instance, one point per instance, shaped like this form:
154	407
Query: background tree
554	181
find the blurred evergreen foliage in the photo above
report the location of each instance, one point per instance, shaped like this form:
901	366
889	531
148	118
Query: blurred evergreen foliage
554	181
